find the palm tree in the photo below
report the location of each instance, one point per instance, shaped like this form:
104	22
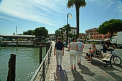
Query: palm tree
78	4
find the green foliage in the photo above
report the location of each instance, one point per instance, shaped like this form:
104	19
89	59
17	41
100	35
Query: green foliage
67	27
78	3
57	33
72	36
41	32
60	31
111	26
38	32
29	32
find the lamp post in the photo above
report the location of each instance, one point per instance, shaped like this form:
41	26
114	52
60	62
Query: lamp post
67	29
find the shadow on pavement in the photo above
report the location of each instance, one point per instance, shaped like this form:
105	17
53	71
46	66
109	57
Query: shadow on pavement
77	76
120	66
61	75
85	70
110	70
102	66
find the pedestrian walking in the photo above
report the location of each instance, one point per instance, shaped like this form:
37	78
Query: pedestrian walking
79	51
73	50
59	52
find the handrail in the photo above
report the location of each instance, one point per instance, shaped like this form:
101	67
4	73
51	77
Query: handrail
42	66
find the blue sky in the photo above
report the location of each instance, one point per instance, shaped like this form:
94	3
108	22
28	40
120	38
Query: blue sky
30	14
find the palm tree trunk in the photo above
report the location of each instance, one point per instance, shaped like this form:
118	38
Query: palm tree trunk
77	21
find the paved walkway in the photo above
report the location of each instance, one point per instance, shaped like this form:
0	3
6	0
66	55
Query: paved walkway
86	71
52	66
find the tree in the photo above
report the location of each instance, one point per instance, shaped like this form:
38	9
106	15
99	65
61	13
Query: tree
29	32
41	32
112	26
57	33
78	4
60	32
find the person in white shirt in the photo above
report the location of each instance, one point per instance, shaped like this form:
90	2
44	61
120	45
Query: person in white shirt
73	50
79	51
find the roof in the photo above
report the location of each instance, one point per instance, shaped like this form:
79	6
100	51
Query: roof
23	36
73	27
90	30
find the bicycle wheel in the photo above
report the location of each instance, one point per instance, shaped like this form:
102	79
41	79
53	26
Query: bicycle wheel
117	60
112	60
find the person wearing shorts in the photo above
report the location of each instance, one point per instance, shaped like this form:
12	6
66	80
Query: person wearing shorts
59	52
79	51
73	50
92	52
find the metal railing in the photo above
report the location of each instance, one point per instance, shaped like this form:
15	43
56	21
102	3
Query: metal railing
41	71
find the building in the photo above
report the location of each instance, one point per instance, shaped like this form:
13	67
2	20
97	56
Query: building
93	34
17	40
82	36
72	32
52	36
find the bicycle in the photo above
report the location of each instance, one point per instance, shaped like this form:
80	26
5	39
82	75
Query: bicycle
115	59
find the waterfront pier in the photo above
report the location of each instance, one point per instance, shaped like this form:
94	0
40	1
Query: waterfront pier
86	71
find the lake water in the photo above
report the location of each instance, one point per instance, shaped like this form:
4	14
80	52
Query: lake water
27	61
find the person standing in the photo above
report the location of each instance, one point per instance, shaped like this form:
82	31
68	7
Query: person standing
106	45
73	50
92	52
59	52
79	51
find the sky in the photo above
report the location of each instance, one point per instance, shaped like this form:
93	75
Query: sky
52	14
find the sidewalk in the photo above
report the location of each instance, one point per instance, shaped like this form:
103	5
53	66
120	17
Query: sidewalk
94	71
52	66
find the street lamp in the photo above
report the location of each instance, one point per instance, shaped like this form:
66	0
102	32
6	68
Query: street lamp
67	29
69	15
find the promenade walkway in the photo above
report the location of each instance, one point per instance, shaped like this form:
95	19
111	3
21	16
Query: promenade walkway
86	71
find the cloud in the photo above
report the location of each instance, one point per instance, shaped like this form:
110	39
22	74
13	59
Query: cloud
7	18
33	10
55	6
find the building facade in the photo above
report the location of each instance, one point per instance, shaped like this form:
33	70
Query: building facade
93	34
52	36
71	33
73	30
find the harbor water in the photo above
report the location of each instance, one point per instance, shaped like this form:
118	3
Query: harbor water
27	61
